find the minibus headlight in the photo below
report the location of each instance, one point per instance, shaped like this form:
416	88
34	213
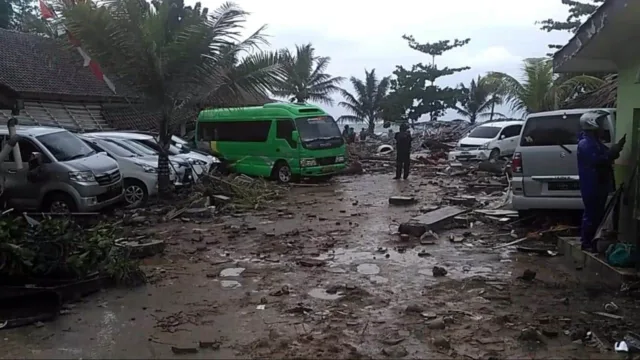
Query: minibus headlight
82	176
484	146
308	162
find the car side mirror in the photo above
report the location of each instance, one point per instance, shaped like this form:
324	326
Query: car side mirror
295	136
35	160
502	137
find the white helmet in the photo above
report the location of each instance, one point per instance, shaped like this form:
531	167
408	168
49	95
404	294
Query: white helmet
590	119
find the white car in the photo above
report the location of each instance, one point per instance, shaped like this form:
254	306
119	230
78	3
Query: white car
139	174
201	163
488	141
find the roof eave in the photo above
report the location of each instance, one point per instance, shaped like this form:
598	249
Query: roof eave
565	59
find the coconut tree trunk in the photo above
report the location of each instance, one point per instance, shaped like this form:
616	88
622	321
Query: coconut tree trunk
371	126
164	184
493	108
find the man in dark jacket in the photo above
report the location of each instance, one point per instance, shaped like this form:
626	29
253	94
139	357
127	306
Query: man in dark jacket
595	169
403	152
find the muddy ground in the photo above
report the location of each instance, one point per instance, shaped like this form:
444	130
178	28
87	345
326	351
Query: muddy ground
322	275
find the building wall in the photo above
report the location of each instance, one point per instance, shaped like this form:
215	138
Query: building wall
628	122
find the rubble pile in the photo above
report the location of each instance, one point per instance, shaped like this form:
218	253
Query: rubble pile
241	191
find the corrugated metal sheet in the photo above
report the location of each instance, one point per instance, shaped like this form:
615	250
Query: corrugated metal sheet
74	117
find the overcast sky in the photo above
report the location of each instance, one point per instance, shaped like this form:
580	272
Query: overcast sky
363	34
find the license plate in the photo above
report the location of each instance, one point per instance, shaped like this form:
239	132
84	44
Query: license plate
563	186
465	153
115	189
327	169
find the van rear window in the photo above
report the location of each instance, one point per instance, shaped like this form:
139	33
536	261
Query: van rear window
554	130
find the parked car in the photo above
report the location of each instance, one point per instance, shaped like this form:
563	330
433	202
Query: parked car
179	167
140	174
201	163
180	143
545	164
65	174
488	141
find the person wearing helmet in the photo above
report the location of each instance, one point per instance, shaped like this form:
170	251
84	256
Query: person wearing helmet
403	152
595	169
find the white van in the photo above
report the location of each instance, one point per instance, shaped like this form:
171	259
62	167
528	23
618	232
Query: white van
545	164
488	141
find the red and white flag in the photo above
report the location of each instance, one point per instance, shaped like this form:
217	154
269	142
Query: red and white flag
48	13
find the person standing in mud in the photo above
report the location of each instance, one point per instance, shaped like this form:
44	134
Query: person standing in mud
403	152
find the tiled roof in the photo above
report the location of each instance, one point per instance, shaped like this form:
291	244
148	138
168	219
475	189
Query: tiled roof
133	118
35	64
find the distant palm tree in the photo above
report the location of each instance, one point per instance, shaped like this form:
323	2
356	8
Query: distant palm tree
540	89
367	103
479	101
306	78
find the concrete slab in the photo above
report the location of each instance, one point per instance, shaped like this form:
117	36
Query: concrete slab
594	264
430	221
402	200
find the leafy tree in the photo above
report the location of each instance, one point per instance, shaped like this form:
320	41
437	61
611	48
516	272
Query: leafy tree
306	78
414	92
6	14
578	10
540	89
173	56
366	104
479	100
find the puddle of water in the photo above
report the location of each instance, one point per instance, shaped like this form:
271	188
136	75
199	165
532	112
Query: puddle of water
319	293
229	272
230	284
368	269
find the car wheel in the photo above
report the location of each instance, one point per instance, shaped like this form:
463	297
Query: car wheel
282	172
495	154
135	193
60	203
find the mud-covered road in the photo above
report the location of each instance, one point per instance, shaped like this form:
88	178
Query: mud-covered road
322	275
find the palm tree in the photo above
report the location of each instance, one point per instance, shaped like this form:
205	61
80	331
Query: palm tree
306	78
367	103
540	89
173	56
479	101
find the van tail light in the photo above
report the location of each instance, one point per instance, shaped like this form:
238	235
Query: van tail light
516	163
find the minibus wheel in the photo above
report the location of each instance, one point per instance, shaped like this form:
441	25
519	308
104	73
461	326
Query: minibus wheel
282	172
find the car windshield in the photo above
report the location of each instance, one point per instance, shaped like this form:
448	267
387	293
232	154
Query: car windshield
117	149
65	146
321	127
136	147
484	132
153	144
554	130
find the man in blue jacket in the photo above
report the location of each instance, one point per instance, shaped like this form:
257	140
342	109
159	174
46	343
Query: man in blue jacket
595	169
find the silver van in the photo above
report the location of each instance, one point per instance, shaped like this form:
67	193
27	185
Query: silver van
545	163
60	173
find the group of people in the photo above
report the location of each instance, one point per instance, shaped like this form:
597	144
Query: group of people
349	134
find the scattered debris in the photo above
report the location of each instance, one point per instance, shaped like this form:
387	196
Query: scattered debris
439	271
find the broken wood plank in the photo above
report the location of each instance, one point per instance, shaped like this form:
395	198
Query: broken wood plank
437	216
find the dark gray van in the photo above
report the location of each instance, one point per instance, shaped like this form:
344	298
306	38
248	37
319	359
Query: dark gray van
69	177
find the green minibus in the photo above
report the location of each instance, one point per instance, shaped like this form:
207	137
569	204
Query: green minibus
285	141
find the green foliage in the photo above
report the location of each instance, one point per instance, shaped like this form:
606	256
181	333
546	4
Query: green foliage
306	77
414	92
540	89
175	57
578	10
62	249
366	104
479	100
6	14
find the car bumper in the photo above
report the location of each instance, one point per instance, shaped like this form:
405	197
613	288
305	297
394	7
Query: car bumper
521	202
322	170
464	155
101	198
